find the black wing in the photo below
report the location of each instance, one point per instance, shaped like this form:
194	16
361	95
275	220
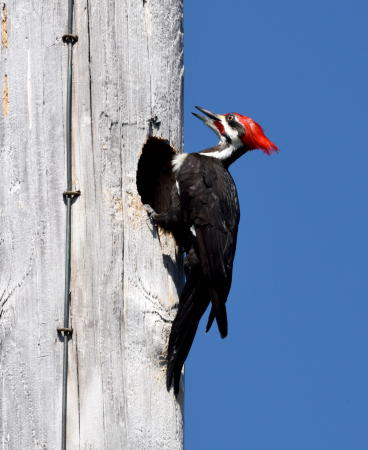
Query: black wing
210	203
209	207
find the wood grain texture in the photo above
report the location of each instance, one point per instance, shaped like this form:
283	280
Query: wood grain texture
128	75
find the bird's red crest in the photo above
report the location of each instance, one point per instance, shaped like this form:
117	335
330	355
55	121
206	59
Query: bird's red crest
254	137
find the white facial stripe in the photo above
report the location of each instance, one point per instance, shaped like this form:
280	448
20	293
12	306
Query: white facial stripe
233	134
177	161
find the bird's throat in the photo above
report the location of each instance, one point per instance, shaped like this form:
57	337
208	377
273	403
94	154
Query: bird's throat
225	152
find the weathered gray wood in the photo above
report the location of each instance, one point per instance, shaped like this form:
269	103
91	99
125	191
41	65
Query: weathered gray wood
128	69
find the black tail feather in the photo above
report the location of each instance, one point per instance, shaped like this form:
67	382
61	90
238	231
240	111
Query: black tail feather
193	303
177	358
211	318
219	311
221	319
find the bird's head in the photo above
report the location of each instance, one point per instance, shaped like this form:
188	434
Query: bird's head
241	132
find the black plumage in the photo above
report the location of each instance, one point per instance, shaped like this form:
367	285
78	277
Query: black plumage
207	213
209	202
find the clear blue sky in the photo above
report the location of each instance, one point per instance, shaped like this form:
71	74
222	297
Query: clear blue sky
293	373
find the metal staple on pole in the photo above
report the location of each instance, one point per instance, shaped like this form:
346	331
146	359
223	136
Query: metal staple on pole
69	196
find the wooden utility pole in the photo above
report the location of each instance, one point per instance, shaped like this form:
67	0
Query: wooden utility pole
128	75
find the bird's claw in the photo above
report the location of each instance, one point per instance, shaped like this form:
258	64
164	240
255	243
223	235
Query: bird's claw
152	214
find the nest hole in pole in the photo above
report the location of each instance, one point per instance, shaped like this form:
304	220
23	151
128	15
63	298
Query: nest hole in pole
156	187
155	179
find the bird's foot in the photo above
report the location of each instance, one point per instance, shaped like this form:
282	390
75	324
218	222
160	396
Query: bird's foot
152	214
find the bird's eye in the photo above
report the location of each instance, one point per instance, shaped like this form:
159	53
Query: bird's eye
230	117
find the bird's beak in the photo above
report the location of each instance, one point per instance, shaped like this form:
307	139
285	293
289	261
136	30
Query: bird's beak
209	119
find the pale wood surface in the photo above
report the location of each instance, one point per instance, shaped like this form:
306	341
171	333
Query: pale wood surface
128	69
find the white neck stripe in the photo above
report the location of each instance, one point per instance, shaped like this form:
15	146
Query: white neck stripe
226	153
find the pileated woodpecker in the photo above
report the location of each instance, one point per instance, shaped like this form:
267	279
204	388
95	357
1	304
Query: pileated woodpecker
204	217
